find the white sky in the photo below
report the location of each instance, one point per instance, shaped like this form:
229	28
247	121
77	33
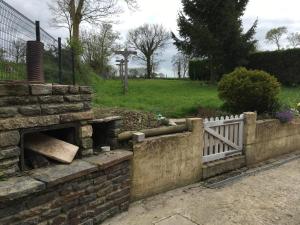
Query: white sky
270	13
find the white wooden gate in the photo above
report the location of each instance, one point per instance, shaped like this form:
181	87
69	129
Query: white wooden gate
223	137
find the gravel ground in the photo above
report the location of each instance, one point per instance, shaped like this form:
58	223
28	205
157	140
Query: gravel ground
270	197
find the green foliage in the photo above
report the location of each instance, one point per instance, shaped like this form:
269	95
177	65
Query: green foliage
284	65
249	90
213	30
199	70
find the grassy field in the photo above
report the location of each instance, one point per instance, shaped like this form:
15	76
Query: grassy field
172	98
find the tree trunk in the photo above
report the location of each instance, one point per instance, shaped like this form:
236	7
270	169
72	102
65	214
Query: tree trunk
149	68
76	42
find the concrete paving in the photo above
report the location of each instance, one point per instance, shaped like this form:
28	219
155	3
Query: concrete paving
269	197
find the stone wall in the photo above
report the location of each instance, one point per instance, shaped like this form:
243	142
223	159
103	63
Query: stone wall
268	139
39	105
164	163
85	192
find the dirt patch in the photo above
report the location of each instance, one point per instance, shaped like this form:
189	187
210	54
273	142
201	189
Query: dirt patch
132	120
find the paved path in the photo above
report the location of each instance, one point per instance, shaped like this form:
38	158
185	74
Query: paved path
270	197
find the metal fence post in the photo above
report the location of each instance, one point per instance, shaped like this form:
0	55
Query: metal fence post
59	61
37	31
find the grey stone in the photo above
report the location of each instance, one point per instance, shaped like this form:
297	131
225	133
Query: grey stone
109	159
8	163
60	89
87	143
86	97
51	99
32	110
87	105
73	89
87	152
14	89
18	187
15	100
9	172
62	173
72	98
10	153
70	117
28	122
6	112
61	108
86	131
10	138
41	89
86	89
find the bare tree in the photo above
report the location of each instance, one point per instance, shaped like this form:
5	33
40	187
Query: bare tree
180	63
99	46
19	51
274	35
71	13
148	39
294	39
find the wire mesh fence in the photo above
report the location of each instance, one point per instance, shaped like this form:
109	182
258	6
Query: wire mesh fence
15	30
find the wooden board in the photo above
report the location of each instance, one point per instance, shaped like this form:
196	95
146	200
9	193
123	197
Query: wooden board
51	147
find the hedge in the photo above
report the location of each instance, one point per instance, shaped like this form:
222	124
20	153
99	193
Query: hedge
283	64
199	70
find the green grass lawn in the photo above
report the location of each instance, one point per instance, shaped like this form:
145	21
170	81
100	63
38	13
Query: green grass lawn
171	98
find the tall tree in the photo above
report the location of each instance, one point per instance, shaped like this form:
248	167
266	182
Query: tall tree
72	13
148	39
294	39
213	30
98	47
274	36
180	63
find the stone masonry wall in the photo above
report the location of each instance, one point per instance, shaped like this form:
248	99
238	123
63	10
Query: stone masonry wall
38	105
86	199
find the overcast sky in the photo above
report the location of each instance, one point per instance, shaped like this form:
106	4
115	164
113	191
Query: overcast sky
270	13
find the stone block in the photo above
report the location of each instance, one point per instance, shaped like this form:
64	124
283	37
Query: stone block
87	106
10	138
87	143
73	89
6	112
19	187
41	89
14	89
138	137
32	110
70	117
8	163
86	131
28	122
87	152
9	172
51	99
86	97
10	153
72	98
61	108
86	90
63	173
12	101
60	89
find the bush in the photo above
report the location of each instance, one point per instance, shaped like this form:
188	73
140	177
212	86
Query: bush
249	90
283	64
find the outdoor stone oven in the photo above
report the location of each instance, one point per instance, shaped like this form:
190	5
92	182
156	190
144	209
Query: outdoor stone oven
93	187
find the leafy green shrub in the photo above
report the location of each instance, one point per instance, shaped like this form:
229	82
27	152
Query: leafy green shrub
249	90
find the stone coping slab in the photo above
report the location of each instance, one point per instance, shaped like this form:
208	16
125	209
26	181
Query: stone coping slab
108	159
58	174
18	187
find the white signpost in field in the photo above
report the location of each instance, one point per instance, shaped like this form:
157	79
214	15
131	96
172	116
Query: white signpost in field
126	53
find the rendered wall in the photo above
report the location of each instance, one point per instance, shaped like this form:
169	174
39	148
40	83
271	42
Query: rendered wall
167	162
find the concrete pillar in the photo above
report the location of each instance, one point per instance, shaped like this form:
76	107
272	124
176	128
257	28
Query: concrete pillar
249	137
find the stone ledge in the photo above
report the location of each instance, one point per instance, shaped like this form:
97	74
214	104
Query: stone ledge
108	159
19	187
105	120
58	174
